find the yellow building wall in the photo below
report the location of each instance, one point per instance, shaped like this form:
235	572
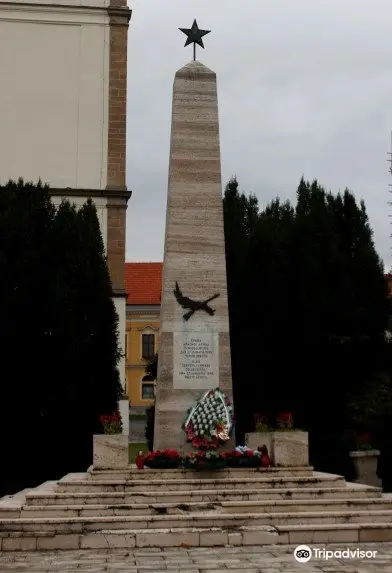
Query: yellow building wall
135	364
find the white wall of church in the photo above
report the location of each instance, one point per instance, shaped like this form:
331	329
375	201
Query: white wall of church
54	66
121	309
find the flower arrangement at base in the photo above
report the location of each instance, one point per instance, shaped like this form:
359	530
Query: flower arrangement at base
111	423
163	459
209	460
244	457
210	422
285	422
261	423
363	443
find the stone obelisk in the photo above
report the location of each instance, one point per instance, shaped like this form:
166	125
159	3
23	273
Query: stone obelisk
194	348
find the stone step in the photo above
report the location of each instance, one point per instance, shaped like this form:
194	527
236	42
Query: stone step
265	506
89	485
201	496
132	473
223	520
197	537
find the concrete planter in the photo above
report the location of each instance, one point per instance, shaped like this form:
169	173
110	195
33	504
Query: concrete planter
290	449
365	463
110	451
255	440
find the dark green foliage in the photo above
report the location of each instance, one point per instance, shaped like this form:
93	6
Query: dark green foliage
152	371
308	310
58	335
152	367
149	430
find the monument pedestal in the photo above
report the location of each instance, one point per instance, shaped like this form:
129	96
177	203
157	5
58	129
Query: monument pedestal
194	350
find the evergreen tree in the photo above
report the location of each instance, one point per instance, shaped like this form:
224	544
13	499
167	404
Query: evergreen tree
58	335
152	367
307	310
84	338
240	216
26	216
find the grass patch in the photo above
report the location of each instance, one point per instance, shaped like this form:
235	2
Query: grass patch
134	449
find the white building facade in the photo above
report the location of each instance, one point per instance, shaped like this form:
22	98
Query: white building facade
63	111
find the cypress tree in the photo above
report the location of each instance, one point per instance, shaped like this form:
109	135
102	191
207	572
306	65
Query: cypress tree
58	335
307	303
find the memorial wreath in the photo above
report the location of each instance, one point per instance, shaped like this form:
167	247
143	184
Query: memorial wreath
210	422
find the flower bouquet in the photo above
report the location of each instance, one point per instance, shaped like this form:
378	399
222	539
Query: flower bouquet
163	459
209	460
111	423
242	456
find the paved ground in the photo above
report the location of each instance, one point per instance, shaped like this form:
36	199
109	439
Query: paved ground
136	430
267	559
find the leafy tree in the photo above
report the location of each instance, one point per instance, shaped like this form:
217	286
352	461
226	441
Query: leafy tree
57	313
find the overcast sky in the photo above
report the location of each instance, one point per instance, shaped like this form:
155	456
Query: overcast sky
304	86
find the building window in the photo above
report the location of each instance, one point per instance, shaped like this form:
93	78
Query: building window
147	391
148	345
126	346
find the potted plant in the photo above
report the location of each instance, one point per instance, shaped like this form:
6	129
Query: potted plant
262	434
365	459
163	459
289	447
243	456
207	460
110	449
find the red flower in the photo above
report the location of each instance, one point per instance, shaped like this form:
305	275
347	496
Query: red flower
162	454
285	419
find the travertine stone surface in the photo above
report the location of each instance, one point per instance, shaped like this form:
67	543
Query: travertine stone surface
261	558
194	257
110	451
255	439
290	448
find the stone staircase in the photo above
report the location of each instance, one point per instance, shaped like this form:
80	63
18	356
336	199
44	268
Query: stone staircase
166	508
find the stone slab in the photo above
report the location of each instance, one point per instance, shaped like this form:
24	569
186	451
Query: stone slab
195	360
290	448
249	559
255	439
110	451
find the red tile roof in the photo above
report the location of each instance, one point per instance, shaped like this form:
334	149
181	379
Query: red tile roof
143	283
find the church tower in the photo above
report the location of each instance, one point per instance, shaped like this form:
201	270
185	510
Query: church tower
63	111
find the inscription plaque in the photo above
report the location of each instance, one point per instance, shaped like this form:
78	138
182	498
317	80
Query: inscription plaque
196	360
